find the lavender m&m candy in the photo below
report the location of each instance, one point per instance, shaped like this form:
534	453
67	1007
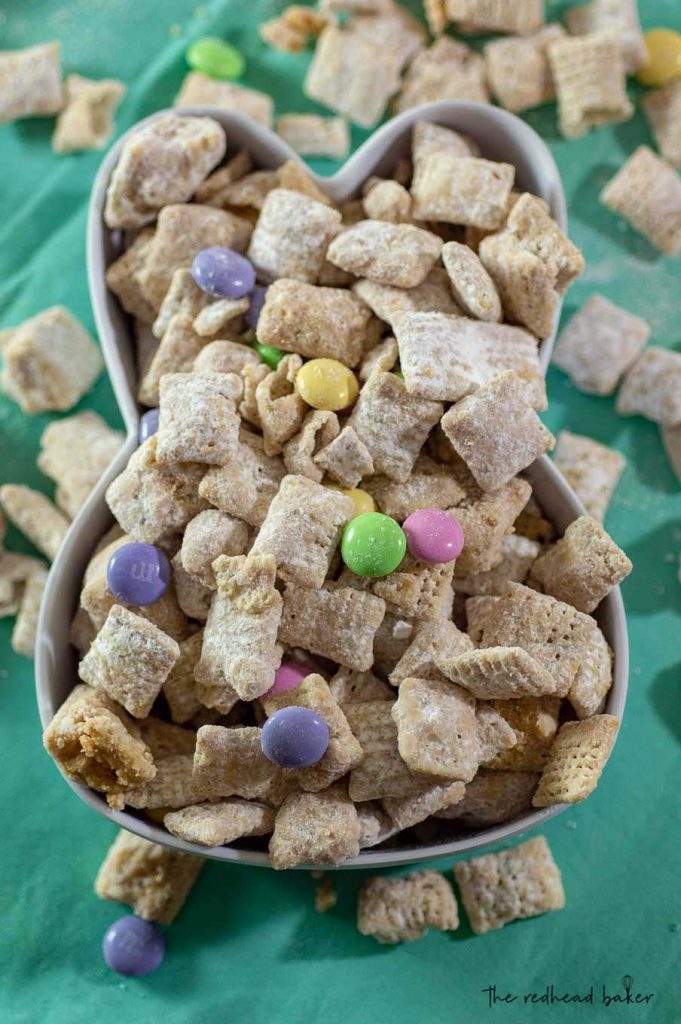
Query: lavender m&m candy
288	675
295	738
433	535
223	273
257	301
148	425
133	946
138	573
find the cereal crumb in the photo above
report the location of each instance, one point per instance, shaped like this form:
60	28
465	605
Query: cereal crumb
325	896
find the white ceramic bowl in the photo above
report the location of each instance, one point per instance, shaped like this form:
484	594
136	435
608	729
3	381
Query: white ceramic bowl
501	136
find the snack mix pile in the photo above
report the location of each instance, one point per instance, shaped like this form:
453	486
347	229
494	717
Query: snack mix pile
330	612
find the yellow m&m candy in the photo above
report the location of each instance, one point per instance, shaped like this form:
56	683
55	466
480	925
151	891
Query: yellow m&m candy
664	57
327	384
362	500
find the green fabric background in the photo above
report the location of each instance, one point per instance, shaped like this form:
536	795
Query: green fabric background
249	947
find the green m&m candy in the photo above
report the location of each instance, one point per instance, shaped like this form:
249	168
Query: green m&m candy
373	544
269	354
215	58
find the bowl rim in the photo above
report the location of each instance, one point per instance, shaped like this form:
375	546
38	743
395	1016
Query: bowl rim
344	182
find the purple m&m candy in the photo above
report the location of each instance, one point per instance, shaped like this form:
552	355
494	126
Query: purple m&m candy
295	738
433	535
257	301
133	946
138	573
288	675
223	273
148	425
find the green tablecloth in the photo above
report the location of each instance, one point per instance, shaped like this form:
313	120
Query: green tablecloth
249	947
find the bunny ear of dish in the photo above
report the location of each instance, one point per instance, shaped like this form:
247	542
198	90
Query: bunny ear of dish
501	136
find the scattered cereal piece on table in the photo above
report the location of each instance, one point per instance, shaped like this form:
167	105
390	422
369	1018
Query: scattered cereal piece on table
652	387
520	882
590	80
394	910
25	630
447	70
312	135
50	361
591	468
352	74
646	191
35	516
199	90
30	82
663	110
576	759
599	344
152	879
671	438
87	120
518	69
618	16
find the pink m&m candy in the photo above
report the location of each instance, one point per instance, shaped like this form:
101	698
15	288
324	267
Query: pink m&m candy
433	535
288	675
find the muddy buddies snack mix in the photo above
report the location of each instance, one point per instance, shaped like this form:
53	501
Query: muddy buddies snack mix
353	630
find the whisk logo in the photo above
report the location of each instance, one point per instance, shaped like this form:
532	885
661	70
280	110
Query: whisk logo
628	996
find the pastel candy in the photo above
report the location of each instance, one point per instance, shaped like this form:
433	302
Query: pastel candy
148	425
223	273
133	946
257	301
373	544
138	573
433	535
295	737
215	58
288	675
